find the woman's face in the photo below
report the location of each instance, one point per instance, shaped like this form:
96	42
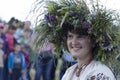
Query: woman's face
79	46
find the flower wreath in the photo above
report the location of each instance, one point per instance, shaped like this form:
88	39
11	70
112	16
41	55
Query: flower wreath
100	22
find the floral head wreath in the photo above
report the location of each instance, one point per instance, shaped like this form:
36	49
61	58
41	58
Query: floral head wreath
97	20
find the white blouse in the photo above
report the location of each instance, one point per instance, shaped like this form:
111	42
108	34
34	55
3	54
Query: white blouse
94	71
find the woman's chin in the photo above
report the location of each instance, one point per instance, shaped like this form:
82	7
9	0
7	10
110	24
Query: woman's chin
76	55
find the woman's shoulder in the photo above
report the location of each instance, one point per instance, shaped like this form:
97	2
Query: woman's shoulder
100	70
69	72
98	66
71	68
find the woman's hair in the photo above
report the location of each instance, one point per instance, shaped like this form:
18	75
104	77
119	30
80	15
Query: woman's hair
77	30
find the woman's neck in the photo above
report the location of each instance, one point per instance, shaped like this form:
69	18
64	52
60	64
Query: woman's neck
84	61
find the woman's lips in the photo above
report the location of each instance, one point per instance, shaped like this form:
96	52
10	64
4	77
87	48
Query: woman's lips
76	48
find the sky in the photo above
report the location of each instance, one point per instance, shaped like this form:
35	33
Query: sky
15	8
20	8
112	4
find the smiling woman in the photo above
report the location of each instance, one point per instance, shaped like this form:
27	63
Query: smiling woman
89	34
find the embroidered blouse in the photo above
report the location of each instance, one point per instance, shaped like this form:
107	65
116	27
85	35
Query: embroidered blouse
94	71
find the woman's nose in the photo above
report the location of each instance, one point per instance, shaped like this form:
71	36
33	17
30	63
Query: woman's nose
74	41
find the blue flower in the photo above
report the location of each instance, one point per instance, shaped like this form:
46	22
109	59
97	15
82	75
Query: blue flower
73	13
46	18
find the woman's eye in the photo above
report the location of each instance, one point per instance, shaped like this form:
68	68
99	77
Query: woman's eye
69	36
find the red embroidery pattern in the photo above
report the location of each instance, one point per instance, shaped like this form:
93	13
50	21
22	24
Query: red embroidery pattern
99	76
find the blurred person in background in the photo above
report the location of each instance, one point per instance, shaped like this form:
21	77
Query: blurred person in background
10	37
26	40
27	62
13	22
16	63
27	25
19	31
2	57
3	37
45	62
5	49
6	26
11	43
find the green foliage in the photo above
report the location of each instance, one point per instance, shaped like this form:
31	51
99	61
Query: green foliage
104	25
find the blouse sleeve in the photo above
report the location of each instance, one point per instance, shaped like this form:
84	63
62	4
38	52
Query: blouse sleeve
102	73
101	76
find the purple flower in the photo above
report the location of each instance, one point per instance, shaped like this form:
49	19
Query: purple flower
87	26
52	17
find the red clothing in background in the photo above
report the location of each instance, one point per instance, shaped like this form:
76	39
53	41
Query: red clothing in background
10	39
26	55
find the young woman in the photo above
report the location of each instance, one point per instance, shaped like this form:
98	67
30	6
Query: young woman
82	47
88	33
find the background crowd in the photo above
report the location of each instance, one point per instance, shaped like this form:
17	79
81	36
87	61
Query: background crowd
16	49
18	56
